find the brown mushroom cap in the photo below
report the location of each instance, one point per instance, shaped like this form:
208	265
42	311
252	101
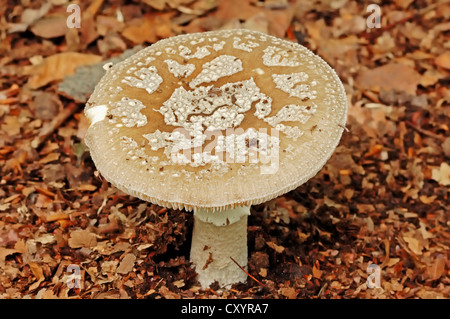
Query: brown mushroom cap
215	120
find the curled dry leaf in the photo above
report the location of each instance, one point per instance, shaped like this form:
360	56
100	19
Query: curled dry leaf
28	17
4	252
37	271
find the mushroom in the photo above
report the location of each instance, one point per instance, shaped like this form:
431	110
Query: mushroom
213	123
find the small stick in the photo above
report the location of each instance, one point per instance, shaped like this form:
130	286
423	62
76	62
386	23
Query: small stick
425	132
345	128
213	291
247	272
52	126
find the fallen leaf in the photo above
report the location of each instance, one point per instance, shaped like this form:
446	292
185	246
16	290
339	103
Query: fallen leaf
424	232
242	10
87	187
443	60
105	249
316	272
82	238
446	146
6	252
57	216
263	272
441	174
413	244
38	273
156	4
403	3
46	239
437	269
392	262
166	293
277	248
4	207
396	76
11	125
430	77
50	27
427	199
47	105
288	292
81	84
57	66
127	264
179	283
149	28
111	42
28	17
427	293
49	158
144	246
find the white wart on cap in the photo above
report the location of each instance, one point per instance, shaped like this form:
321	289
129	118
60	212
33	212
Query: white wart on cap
215	120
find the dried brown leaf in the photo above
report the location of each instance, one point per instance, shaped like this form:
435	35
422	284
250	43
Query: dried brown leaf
316	272
277	248
166	293
82	238
50	27
288	292
443	60
441	174
49	158
57	66
127	264
156	4
413	244
28	17
6	252
396	76
149	28
437	268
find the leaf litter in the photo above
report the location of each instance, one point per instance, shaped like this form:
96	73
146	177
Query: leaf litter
383	197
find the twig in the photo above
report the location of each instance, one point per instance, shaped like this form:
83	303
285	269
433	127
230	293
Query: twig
52	126
322	289
213	291
247	272
425	132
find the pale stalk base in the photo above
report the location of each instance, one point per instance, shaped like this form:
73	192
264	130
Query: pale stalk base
212	247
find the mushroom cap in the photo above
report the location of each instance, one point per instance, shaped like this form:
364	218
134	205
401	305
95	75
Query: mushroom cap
215	120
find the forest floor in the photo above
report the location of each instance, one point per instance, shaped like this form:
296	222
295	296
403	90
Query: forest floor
383	198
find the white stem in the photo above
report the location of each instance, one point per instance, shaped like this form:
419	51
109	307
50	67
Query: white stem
216	237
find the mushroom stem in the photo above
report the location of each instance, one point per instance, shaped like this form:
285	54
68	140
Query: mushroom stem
217	237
